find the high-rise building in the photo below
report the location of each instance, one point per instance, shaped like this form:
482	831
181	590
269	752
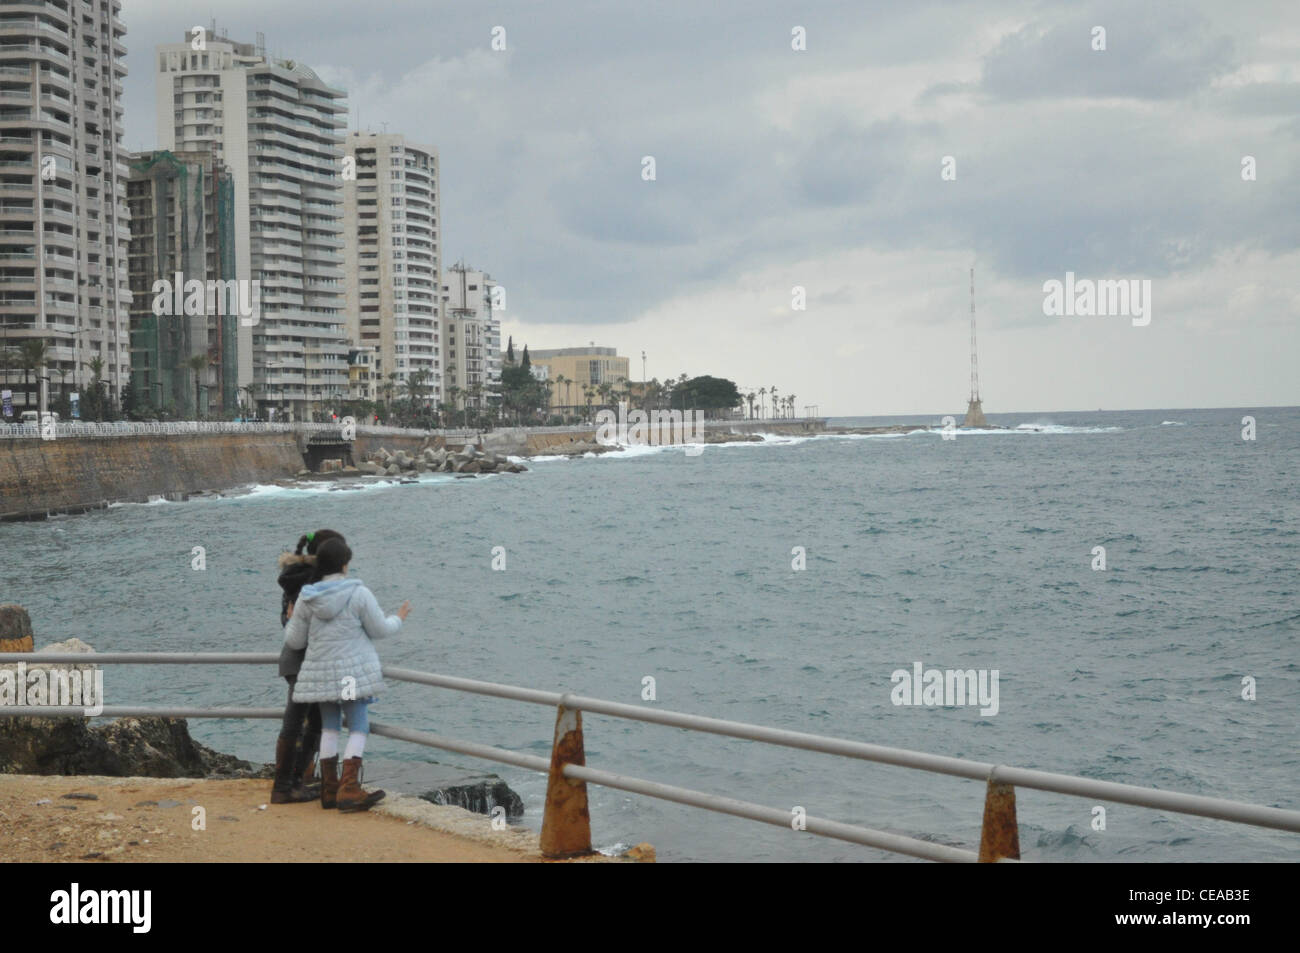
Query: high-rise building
391	258
277	126
471	338
182	223
63	216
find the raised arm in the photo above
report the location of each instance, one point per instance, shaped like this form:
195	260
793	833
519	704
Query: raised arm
295	633
373	620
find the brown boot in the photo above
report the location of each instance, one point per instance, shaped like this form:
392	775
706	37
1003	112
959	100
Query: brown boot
283	789
352	797
329	781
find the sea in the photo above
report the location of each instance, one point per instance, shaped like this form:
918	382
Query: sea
785	583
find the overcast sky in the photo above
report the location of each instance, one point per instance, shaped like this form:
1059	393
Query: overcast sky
822	168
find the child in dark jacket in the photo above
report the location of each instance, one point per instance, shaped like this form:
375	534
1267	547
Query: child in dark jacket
296	747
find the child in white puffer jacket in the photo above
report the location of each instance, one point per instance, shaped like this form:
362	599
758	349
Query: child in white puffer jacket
336	619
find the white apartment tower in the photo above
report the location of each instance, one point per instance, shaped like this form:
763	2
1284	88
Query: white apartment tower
392	260
63	215
471	338
277	127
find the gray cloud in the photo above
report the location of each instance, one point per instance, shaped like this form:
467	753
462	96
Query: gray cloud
1117	163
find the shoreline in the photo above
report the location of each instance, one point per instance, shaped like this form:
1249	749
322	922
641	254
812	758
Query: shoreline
78	474
93	474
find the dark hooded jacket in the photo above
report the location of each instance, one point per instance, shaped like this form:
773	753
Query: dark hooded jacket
295	572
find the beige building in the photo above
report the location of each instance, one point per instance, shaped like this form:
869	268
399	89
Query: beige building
391	259
579	367
278	128
64	225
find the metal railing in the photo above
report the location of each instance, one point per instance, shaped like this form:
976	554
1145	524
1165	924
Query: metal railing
124	428
566	828
135	428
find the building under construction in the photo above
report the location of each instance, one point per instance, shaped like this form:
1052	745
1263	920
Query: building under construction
182	223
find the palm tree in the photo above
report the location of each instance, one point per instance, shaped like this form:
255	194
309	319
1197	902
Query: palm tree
604	388
96	365
9	360
775	405
588	391
35	353
197	364
476	395
454	392
750	398
762	395
789	406
562	381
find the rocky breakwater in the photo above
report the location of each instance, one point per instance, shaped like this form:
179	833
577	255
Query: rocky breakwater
467	461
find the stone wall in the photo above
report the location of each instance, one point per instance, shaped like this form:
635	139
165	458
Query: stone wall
73	474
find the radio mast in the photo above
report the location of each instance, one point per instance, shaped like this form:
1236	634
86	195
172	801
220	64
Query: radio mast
975	409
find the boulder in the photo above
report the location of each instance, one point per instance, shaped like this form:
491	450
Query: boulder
486	466
480	797
421	466
393	469
373	469
15	629
471	466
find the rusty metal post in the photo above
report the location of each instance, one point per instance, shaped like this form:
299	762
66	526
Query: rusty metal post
1000	836
566	825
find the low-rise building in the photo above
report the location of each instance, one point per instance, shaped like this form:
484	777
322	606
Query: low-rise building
575	371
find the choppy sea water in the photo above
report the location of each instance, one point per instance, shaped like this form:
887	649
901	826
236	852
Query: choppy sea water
969	553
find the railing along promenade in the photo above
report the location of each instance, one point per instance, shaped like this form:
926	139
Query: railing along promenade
186	427
566	825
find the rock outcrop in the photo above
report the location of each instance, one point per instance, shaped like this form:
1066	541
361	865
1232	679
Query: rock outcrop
480	797
128	747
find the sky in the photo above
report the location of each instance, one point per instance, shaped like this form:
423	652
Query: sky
824	168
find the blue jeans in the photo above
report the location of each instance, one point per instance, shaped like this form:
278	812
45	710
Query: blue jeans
331	714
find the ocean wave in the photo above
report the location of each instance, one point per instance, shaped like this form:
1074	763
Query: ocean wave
1173	423
153	501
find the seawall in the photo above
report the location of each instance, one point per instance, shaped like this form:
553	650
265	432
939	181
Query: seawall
77	474
73	474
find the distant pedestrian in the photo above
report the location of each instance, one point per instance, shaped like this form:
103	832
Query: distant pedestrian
336	619
295	748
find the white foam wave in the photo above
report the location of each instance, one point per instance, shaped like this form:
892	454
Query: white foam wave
153	501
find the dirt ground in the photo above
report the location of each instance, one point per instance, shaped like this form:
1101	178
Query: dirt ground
142	820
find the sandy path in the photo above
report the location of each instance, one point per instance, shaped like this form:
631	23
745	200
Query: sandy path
143	820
